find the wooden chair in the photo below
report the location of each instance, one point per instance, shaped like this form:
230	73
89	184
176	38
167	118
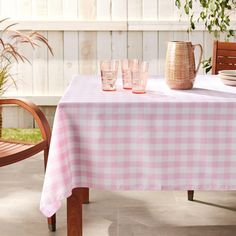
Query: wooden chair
11	151
224	58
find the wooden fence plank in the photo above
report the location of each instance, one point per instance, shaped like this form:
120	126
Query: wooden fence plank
87	52
134	9
150	51
25	72
10	117
40	70
119	10
119	46
164	38
135	45
103	38
104	9
87	40
150	39
8	8
55	8
70	8
39	8
150	10
47	24
181	36
25	119
55	64
166	10
87	9
24	8
71	56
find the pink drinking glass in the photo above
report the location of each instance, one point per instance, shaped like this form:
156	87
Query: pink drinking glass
126	66
139	76
109	70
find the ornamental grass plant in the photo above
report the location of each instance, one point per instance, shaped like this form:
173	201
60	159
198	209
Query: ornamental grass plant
10	42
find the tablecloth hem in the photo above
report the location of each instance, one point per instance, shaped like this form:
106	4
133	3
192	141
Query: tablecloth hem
50	209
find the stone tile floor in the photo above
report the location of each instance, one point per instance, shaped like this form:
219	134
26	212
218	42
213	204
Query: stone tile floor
113	213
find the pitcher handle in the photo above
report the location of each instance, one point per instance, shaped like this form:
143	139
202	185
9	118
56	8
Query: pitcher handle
200	58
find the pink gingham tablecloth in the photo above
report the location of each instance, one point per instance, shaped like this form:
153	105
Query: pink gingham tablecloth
161	140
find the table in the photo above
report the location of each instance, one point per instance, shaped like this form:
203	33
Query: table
161	140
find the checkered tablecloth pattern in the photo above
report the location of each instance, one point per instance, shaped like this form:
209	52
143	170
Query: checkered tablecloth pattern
161	140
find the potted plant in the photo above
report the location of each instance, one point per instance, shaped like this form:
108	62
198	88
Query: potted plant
214	14
10	42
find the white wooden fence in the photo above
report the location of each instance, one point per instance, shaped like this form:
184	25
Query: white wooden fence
82	32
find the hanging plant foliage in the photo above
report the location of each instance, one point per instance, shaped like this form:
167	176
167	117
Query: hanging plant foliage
215	14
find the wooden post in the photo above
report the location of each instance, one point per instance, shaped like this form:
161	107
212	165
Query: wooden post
74	213
214	58
1	125
85	195
190	195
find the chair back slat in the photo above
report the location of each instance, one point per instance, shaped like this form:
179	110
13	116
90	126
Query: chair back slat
226	45
226	67
226	60
226	53
224	56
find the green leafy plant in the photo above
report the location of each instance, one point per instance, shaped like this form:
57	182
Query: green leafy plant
214	14
10	42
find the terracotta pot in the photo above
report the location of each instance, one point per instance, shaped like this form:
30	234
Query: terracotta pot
180	70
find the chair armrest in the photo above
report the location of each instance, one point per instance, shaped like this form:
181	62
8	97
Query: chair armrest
35	112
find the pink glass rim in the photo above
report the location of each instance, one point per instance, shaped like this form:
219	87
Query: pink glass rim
140	66
126	64
109	64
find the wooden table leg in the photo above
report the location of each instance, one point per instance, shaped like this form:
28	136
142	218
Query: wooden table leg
85	195
190	195
52	223
74	212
